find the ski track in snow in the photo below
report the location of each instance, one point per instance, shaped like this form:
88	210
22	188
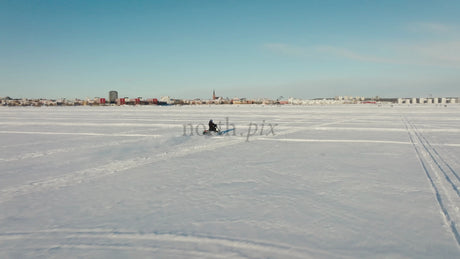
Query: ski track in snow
444	180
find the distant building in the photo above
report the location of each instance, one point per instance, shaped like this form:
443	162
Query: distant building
165	100
121	101
113	96
214	95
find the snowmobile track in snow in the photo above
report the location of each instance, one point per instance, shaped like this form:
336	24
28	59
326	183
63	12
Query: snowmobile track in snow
444	180
90	174
196	245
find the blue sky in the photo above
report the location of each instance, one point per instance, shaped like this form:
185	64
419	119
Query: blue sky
184	49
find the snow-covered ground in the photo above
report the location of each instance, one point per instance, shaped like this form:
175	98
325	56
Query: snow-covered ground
344	181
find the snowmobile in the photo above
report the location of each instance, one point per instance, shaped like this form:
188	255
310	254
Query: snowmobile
215	133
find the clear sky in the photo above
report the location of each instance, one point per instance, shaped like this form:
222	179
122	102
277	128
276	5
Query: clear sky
247	48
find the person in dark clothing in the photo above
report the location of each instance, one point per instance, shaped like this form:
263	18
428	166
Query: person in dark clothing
212	126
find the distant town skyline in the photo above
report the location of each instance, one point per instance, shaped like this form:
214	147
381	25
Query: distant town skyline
254	49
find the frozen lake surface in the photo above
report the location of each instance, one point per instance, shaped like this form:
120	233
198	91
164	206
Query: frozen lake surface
345	181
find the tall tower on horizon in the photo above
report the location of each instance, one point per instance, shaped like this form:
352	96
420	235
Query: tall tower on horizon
213	94
113	96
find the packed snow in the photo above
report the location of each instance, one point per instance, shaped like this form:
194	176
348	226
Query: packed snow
338	181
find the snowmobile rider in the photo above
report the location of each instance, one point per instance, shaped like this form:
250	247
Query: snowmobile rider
212	126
